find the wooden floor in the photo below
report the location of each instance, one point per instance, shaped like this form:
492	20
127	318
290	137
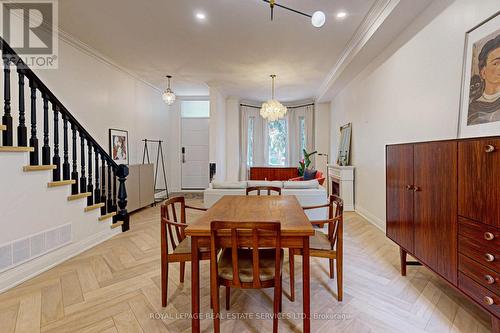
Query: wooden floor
115	287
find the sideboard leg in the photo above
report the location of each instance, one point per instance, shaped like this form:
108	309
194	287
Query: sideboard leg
495	325
402	254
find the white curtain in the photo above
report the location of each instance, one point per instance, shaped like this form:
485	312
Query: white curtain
260	153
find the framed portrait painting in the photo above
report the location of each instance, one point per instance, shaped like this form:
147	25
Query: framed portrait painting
480	98
118	145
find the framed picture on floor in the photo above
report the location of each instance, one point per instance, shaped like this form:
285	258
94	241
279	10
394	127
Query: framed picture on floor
480	97
118	145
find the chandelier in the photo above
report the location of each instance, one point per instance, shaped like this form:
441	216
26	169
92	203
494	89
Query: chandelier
318	18
272	110
168	96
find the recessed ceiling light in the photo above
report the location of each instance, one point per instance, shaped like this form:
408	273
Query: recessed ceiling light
341	15
200	16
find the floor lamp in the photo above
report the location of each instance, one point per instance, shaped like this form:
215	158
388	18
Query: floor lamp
327	177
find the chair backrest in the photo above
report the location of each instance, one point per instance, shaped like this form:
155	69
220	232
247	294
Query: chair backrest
269	189
335	228
171	226
234	235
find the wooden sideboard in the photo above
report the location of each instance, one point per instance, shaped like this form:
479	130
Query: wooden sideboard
273	173
443	208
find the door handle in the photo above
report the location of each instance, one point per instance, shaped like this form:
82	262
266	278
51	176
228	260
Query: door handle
183	154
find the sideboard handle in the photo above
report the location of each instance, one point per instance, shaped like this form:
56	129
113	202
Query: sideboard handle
489	149
489	257
416	188
409	187
489	236
488	300
489	279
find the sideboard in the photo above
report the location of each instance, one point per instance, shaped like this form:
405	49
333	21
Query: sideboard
140	186
443	208
273	173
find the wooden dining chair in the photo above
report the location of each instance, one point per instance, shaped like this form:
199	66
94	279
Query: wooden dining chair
242	264
173	237
323	245
269	189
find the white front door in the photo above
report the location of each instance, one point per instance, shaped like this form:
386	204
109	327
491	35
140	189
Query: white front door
194	150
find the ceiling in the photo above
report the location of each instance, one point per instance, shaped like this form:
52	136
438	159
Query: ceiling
234	49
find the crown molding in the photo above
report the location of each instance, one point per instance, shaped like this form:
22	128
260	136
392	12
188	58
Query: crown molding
377	14
87	49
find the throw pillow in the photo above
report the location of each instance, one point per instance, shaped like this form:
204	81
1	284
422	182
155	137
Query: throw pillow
309	174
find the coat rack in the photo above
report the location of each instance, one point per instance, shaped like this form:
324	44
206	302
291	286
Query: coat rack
145	157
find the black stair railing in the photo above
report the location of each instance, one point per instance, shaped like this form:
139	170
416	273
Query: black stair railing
102	191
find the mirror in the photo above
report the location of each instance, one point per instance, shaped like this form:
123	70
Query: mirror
344	145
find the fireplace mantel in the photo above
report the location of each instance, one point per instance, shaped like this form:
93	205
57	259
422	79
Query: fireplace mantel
341	181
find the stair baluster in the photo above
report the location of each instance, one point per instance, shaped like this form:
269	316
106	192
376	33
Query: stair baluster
56	160
109	203
90	186
122	214
103	186
115	207
66	170
46	147
83	178
33	138
7	117
22	131
74	172
97	190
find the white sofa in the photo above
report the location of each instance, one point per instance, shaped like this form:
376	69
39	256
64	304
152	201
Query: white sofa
308	193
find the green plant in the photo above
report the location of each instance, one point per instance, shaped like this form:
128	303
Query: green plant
305	162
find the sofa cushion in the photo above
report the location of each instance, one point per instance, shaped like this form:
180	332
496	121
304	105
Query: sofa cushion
310	174
275	183
220	185
305	184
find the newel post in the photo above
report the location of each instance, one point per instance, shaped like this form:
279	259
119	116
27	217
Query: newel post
122	214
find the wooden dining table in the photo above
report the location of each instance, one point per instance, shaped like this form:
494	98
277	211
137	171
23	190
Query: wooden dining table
295	232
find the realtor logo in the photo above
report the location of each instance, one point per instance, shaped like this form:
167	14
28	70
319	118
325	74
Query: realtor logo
30	28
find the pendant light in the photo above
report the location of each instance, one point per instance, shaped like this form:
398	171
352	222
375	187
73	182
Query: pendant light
272	110
168	96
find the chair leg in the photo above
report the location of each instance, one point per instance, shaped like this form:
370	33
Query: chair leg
215	303
164	283
402	257
339	279
331	269
292	274
276	306
182	267
281	294
228	298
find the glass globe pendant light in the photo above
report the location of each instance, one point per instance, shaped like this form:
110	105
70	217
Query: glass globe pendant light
272	110
168	96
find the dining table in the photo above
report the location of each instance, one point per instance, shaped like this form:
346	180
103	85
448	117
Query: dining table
295	232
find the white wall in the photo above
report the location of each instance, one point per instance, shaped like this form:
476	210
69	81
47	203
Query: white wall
217	145
322	135
100	96
410	92
232	139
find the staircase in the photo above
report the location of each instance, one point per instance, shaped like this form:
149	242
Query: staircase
84	165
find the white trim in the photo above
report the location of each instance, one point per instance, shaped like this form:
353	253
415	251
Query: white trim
87	49
370	218
379	12
19	274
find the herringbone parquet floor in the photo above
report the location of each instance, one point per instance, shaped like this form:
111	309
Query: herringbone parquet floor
115	287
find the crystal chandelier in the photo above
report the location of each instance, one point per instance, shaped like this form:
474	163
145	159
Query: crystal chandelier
272	110
169	96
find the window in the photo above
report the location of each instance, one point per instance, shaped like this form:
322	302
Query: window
195	109
302	136
250	142
277	142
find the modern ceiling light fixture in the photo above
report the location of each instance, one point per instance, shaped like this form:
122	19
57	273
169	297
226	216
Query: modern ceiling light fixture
318	18
168	95
272	110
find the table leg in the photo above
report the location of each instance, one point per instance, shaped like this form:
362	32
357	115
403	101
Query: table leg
306	285
195	285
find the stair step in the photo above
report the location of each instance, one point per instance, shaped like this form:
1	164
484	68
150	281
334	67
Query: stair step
107	216
3	127
93	207
62	183
79	196
14	149
116	225
28	168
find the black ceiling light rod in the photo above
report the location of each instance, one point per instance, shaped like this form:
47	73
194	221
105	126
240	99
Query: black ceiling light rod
273	3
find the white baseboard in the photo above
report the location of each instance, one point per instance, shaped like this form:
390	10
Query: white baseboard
371	218
32	268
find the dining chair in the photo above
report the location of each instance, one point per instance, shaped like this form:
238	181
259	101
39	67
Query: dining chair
173	237
323	245
269	189
242	264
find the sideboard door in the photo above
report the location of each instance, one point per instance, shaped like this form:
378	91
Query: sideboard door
399	160
435	208
492	182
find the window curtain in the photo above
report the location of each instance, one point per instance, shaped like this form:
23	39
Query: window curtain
247	114
294	132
